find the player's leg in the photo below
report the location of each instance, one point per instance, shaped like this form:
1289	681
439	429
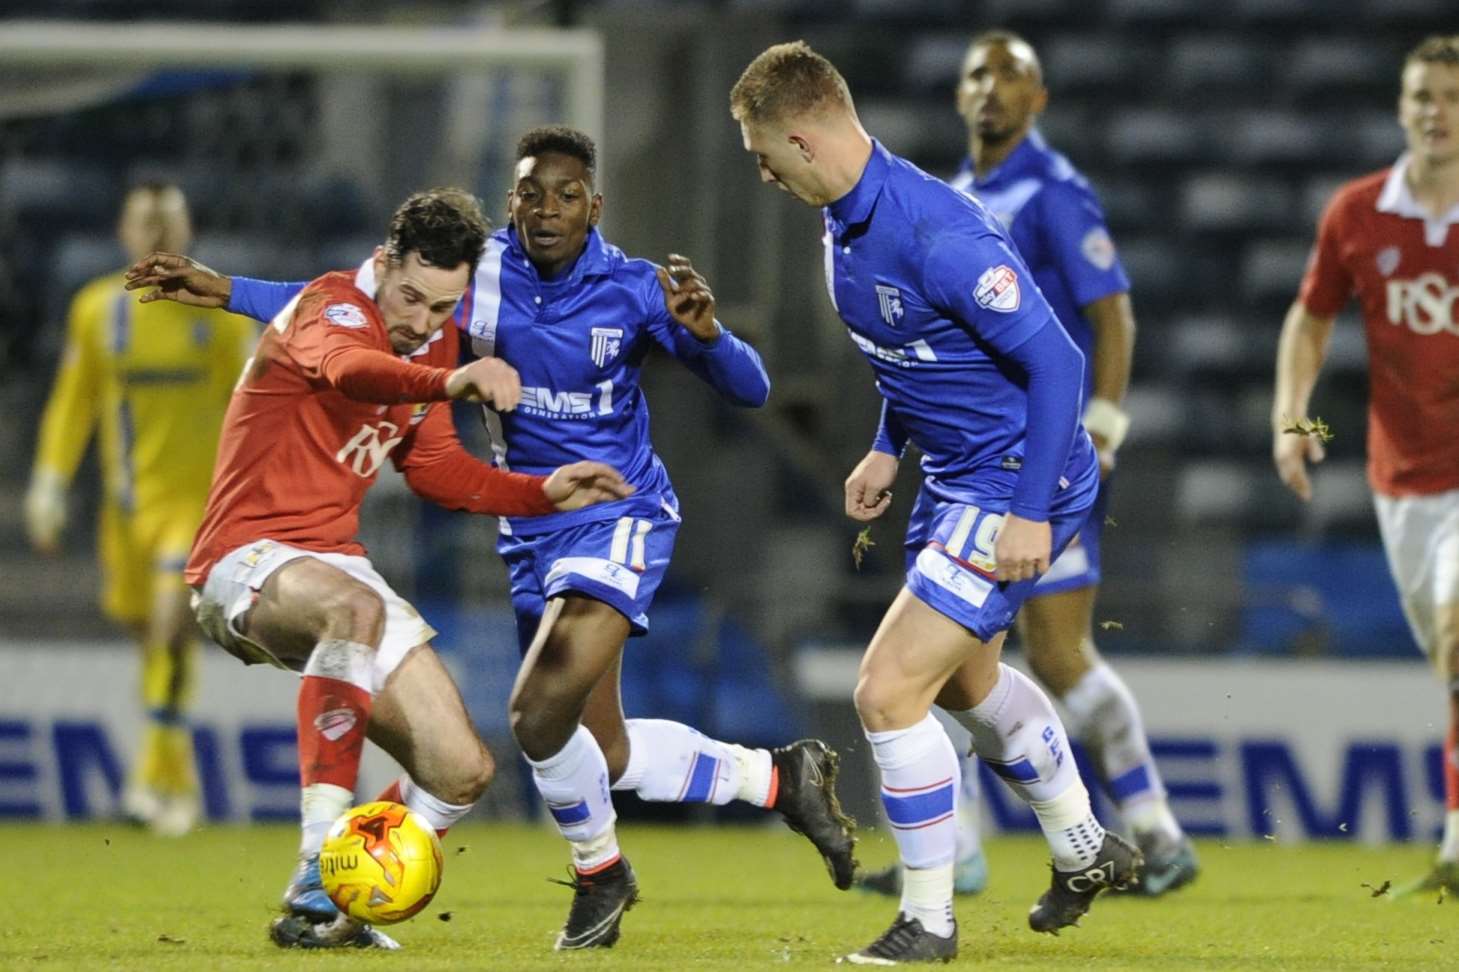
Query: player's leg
970	866
911	655
579	640
329	620
1421	542
420	719
1057	630
169	666
126	598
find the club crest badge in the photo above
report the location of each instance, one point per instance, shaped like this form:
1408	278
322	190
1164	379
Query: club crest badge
606	343
889	299
1387	260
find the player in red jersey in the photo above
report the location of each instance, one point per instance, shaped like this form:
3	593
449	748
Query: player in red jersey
1391	239
348	375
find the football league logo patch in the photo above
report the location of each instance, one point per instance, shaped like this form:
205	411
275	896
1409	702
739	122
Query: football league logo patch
997	289
606	343
345	315
1098	248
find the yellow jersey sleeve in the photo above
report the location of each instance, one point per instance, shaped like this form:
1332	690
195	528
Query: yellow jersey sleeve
71	411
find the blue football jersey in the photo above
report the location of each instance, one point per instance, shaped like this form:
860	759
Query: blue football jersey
934	294
1058	228
579	342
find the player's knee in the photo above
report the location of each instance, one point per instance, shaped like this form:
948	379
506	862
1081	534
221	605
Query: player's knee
355	613
876	703
469	778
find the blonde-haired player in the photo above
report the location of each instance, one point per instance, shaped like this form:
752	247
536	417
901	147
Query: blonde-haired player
152	381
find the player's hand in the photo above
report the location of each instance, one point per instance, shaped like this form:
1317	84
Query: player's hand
688	297
584	483
1022	549
1291	453
869	487
180	278
489	380
45	512
1105	453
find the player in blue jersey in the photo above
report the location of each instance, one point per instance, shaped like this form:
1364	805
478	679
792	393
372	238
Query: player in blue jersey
1059	230
576	318
974	369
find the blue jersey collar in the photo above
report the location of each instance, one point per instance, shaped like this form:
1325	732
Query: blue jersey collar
596	260
856	206
1024	157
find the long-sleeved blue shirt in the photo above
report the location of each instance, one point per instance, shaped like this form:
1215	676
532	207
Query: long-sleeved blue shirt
1058	227
968	355
578	341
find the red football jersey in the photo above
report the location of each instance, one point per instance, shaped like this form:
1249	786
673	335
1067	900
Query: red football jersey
1375	243
321	405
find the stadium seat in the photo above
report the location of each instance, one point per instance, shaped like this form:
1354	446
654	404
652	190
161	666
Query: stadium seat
1262	136
1224	202
1214	65
1332	68
1271	269
1152	136
1077	64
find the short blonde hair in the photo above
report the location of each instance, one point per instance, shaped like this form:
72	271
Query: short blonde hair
1435	49
788	80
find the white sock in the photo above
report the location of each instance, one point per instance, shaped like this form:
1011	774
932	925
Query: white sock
320	805
927	896
1069	826
919	793
1104	716
1449	846
670	762
969	824
574	782
1017	733
438	813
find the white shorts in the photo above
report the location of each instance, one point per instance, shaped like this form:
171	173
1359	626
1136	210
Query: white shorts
234	582
1421	538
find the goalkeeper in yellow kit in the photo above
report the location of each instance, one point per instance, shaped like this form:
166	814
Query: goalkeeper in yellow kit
155	379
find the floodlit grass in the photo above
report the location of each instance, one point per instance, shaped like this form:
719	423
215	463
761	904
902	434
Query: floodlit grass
104	896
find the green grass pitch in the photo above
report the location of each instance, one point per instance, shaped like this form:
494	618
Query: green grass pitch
733	898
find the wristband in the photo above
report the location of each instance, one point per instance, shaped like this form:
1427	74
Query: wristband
1107	420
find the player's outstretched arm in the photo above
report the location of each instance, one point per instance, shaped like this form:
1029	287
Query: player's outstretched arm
682	321
1300	354
174	276
582	484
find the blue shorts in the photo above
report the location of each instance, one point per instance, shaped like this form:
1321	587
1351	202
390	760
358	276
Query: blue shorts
950	562
619	562
1078	566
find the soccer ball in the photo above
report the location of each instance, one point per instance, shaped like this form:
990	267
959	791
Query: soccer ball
381	863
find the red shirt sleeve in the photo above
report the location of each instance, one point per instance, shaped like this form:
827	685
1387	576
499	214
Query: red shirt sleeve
1327	285
337	336
438	468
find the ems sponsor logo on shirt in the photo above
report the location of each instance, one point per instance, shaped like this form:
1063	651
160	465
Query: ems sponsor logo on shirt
345	315
605	344
1098	248
997	289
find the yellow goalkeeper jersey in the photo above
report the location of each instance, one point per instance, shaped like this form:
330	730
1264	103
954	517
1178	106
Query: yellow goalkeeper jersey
156	378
